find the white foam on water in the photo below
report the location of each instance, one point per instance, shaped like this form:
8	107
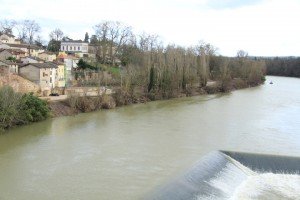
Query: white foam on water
269	186
227	180
237	182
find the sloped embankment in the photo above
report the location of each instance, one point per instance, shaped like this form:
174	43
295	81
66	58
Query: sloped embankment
19	84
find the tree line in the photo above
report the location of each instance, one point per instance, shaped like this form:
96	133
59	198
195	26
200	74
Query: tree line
283	66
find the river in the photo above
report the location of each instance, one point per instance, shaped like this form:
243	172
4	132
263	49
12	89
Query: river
127	152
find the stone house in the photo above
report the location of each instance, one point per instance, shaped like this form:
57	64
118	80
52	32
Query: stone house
30	59
15	53
8	66
8	38
30	50
4	70
43	74
47	56
60	74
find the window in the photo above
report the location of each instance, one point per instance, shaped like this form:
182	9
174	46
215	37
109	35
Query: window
63	48
78	48
71	48
50	80
44	74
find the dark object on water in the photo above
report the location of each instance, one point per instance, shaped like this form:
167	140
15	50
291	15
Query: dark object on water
271	82
54	94
227	168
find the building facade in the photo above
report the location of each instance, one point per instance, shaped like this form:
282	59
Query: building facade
75	47
10	66
8	38
47	56
31	50
60	75
43	74
15	53
27	60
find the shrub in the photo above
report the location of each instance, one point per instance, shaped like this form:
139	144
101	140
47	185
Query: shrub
83	103
17	108
107	102
122	97
33	109
9	107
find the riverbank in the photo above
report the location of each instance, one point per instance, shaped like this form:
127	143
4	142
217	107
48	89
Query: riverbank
83	104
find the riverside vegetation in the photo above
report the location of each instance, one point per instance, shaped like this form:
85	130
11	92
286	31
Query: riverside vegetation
171	72
19	109
140	68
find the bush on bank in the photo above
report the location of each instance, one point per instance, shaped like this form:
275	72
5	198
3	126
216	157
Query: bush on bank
88	104
18	109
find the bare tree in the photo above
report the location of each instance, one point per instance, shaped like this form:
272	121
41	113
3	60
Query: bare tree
112	35
56	34
124	36
101	31
6	26
27	30
32	28
22	32
205	51
241	54
39	41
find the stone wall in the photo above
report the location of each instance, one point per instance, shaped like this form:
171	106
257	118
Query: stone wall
87	91
19	84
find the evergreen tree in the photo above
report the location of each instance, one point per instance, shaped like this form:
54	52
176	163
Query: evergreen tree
86	37
53	46
93	39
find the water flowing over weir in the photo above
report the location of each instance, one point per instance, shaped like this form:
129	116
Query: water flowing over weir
235	175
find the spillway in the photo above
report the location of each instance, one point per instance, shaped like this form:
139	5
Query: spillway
235	175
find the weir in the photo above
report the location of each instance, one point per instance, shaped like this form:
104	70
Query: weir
227	175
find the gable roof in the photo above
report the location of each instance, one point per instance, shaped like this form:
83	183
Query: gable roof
7	62
65	56
42	65
57	62
27	46
74	41
48	53
9	35
35	58
13	51
1	50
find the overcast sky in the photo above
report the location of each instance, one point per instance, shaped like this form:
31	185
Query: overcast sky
260	27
